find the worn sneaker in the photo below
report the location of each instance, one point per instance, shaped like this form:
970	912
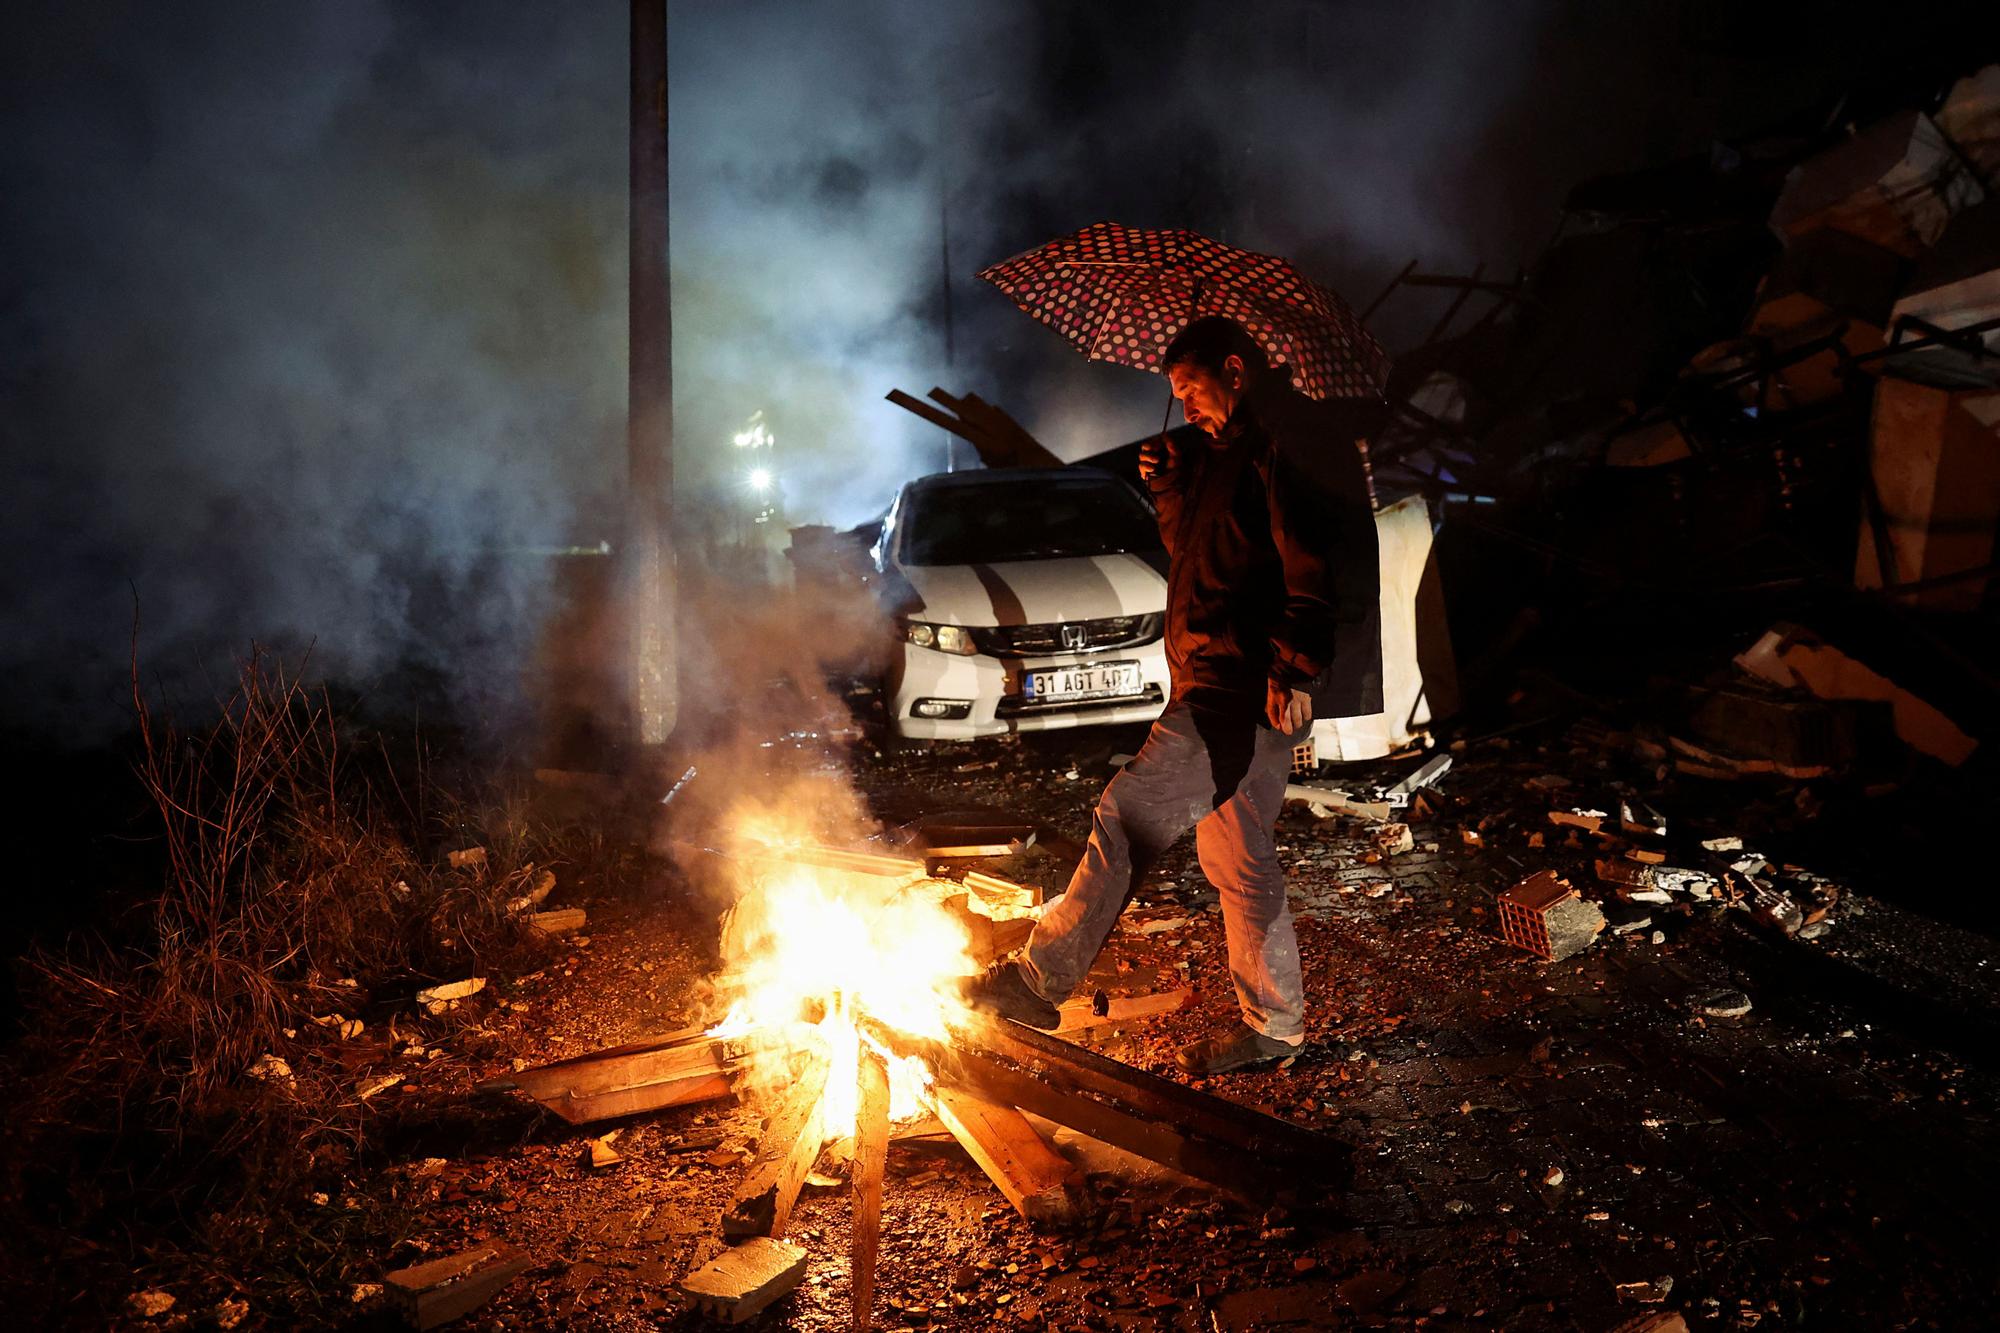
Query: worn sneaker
1237	1047
1003	990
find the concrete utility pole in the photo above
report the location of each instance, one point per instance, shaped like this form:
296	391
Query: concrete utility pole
648	571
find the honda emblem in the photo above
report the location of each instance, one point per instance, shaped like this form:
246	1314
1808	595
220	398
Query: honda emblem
1075	637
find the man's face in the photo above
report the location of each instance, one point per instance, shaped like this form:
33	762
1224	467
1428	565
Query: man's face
1207	397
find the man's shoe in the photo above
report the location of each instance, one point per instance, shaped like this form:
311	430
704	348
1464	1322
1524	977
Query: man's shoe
1237	1047
1003	990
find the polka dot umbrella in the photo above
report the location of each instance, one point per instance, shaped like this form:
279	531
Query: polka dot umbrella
1121	293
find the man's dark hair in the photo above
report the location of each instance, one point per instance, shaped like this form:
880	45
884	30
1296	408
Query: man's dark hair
1211	340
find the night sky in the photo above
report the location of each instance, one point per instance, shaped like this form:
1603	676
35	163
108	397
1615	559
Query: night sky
312	316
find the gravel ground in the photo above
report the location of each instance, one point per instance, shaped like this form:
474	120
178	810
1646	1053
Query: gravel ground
1553	1146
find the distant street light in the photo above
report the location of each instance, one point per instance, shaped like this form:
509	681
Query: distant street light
760	479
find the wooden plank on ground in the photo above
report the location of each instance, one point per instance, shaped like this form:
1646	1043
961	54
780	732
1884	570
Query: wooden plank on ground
440	1290
1034	1177
672	1070
785	1156
871	1160
1231	1146
1085	1012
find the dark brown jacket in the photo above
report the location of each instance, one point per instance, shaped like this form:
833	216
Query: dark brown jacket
1274	573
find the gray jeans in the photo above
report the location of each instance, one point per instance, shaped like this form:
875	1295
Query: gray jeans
1225	776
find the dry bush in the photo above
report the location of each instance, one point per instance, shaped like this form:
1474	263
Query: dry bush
291	891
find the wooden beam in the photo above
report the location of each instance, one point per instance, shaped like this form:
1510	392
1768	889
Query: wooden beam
1036	1180
672	1070
440	1290
1082	1012
871	1159
785	1156
1232	1146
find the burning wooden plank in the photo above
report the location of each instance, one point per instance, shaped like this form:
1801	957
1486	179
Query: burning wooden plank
871	1160
1206	1137
673	1070
1036	1180
785	1156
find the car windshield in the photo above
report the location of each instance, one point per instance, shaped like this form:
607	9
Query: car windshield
989	522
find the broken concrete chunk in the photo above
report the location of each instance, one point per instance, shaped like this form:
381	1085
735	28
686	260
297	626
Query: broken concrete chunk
1590	821
441	998
1394	839
439	1291
466	857
544	885
738	1284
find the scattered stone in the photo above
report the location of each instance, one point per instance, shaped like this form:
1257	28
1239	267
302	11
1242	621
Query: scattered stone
1722	1004
150	1304
271	1068
598	1154
368	1087
545	884
228	1313
466	857
1646	1293
441	999
1394	839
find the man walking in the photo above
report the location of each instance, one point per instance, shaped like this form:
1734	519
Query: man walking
1272	611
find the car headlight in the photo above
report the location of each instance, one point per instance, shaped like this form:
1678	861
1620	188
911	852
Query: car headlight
945	638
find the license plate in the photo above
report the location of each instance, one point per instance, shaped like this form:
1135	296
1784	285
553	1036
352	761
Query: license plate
1103	680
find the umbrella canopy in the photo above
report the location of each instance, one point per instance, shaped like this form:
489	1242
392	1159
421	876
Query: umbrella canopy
1121	294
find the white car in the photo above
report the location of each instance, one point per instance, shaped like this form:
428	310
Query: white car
1027	599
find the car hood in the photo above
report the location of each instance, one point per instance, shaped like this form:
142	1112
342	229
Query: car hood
1037	592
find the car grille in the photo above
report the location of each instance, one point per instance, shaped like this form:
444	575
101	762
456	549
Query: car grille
1108	634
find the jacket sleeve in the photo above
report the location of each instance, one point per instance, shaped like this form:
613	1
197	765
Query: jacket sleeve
1168	487
1324	529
